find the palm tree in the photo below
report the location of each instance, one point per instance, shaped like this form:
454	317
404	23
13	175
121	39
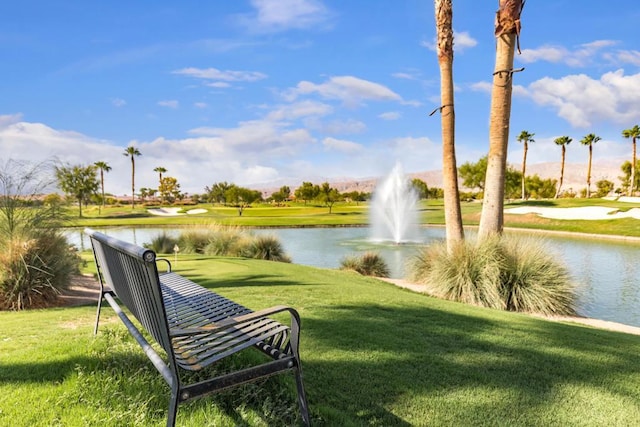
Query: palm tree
632	133
453	214
589	140
507	32
160	171
563	141
132	152
104	167
525	137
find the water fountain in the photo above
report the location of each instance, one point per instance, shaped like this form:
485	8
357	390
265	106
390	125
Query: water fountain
393	212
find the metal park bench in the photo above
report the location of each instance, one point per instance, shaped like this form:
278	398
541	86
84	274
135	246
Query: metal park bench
194	326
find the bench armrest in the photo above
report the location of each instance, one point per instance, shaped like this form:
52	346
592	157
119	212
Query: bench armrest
238	320
167	262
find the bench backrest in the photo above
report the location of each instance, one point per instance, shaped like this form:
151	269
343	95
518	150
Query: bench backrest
131	272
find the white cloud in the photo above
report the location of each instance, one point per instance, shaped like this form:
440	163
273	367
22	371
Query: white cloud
342	145
462	41
220	75
200	104
299	109
580	56
282	15
9	119
582	100
628	57
169	103
336	127
352	91
218	84
118	102
390	115
481	87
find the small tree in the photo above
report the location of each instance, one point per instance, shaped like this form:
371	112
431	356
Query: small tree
241	197
421	188
169	189
328	195
604	187
79	182
216	193
307	191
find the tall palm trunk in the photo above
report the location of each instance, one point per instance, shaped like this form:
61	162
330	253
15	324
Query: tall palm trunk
452	211
102	185
633	167
589	172
524	169
133	180
564	151
507	29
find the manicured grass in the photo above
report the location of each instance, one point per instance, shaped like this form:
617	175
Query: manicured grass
372	354
347	214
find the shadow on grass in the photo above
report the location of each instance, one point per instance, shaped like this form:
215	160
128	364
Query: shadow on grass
383	355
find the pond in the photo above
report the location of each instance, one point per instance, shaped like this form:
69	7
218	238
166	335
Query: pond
607	272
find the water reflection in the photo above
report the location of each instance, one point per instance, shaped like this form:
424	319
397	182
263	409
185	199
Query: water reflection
606	272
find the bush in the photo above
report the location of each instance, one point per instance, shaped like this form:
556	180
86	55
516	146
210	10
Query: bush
227	241
367	264
34	270
36	261
509	273
162	243
231	241
266	247
193	241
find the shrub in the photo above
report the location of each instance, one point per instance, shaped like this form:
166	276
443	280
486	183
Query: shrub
34	270
35	259
510	273
193	241
162	243
266	247
533	280
367	264
226	241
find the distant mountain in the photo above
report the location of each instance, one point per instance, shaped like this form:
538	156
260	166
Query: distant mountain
575	177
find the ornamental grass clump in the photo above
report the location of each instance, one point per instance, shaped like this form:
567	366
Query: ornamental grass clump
36	261
533	280
367	264
508	273
231	241
163	243
266	247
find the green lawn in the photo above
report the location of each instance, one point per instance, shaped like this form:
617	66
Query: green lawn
372	354
346	214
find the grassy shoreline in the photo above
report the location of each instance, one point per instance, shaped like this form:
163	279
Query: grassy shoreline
354	215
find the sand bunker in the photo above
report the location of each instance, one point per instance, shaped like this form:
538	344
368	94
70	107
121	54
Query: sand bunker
583	213
174	211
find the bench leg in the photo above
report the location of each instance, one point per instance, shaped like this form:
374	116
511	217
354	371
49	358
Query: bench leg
302	398
173	409
95	328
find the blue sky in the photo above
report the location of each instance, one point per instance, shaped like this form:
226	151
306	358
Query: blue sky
280	91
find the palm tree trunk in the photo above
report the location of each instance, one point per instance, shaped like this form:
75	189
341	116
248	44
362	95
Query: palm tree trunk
524	169
102	185
589	172
133	187
633	168
492	219
452	211
561	172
